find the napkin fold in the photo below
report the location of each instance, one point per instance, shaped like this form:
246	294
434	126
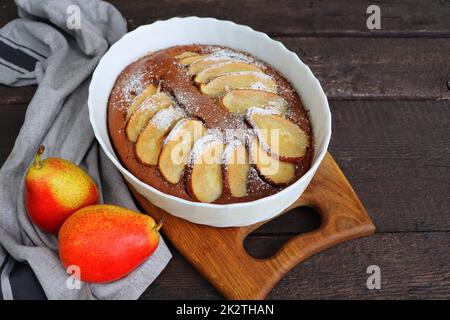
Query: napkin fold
56	44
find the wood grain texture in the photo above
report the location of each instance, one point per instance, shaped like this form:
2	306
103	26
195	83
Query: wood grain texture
11	120
302	17
17	95
374	68
357	68
218	253
292	17
396	156
413	266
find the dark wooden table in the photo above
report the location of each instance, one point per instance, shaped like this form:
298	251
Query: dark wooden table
389	93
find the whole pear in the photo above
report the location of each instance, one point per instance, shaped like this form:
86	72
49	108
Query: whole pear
54	189
107	242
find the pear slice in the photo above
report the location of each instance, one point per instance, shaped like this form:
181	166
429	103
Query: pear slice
245	79
239	100
275	172
185	55
148	108
177	147
204	180
280	137
201	64
150	140
235	169
147	92
216	70
191	59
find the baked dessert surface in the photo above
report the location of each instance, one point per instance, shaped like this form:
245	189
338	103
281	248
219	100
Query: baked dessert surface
209	124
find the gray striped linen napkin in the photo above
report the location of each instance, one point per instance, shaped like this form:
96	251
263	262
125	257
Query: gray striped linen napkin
57	44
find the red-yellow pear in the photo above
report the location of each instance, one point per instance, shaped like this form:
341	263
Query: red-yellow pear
54	189
107	242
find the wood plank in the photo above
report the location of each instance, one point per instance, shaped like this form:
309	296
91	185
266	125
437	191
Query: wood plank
413	266
8	11
394	154
180	281
10	123
374	68
301	17
396	157
16	95
358	68
292	17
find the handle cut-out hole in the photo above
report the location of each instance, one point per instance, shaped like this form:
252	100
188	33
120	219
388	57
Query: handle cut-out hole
265	241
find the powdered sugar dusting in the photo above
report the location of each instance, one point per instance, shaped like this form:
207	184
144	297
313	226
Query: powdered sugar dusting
277	103
262	111
150	102
200	145
257	74
175	130
259	134
229	150
217	134
254	182
188	99
132	86
223	63
221	53
258	86
166	117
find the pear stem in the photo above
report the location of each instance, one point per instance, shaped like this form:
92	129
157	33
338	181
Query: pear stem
37	163
159	225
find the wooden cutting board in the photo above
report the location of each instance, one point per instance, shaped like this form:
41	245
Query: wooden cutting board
219	255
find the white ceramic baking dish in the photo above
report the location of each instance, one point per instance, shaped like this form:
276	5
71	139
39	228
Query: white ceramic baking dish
183	31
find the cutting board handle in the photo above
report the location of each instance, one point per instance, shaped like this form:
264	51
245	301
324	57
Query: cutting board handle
341	219
334	227
219	253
